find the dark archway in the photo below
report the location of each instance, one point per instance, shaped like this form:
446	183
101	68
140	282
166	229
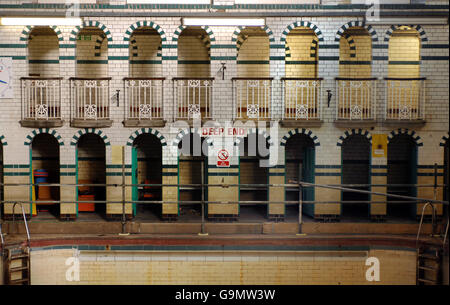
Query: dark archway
45	161
300	162
147	169
192	169
402	170
252	151
91	169
356	170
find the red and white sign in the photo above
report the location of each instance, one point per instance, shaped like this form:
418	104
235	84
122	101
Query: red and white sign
223	158
224	132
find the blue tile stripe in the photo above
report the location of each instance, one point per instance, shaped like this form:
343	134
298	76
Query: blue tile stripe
144	23
403	131
73	35
3	140
25	35
304	131
151	131
84	131
418	28
304	24
354	132
35	132
350	24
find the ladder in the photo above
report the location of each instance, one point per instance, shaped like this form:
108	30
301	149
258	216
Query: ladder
17	267
17	257
429	258
430	254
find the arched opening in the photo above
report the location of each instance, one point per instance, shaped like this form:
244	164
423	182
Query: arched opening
355	86
356	151
404	87
404	53
301	86
302	49
194	53
92	53
355	53
193	86
253	151
91	169
45	167
90	96
147	169
300	163
43	52
145	53
192	169
402	170
253	83
144	87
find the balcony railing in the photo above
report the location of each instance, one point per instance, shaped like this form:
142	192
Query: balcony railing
356	98
143	98
89	98
405	98
302	98
193	97
252	97
41	98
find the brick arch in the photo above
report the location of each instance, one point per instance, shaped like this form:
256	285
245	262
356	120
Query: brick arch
238	30
369	28
84	131
402	131
305	24
313	47
141	131
304	131
181	28
74	33
257	132
49	131
353	132
25	35
98	45
418	28
3	140
351	44
142	23
444	140
186	131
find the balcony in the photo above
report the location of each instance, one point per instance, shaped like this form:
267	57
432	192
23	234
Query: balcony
90	102
302	101
356	101
405	100
252	98
144	102
41	102
193	98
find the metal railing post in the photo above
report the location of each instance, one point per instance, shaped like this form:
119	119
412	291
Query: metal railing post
24	220
300	207
203	198
124	220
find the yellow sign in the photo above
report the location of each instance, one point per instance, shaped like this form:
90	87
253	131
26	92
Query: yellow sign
116	154
379	146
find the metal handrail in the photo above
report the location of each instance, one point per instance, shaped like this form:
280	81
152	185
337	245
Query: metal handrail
433	216
24	220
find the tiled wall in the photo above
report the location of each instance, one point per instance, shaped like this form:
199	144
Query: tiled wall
397	267
433	65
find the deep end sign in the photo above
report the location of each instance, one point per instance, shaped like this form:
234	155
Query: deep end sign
224	131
